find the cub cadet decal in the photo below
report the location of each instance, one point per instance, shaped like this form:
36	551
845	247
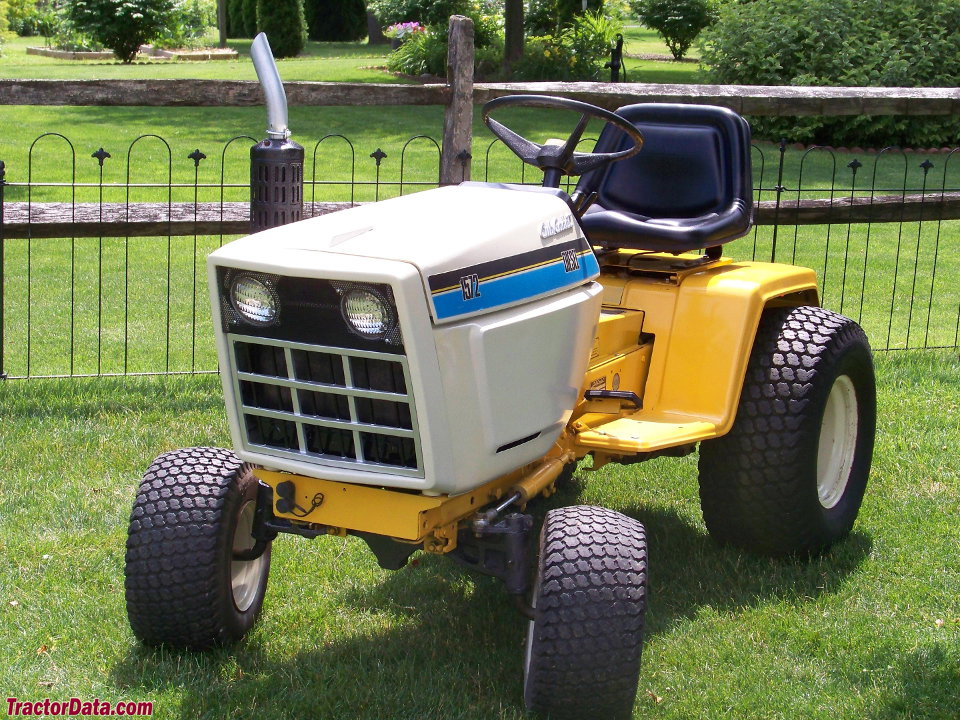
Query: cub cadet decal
557	226
513	279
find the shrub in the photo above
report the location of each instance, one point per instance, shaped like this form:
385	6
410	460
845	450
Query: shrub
3	22
421	53
122	25
840	43
341	20
426	12
284	24
678	22
578	52
42	21
487	15
235	24
548	17
249	15
189	24
18	16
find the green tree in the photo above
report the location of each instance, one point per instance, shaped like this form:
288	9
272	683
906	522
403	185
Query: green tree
284	24
852	43
235	27
121	25
16	13
678	22
3	22
336	20
249	12
548	17
426	12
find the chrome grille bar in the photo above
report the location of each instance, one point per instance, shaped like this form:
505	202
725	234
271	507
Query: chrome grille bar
274	405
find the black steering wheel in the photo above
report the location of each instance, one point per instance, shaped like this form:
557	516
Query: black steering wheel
559	160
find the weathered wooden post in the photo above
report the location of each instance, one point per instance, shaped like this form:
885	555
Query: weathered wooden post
458	118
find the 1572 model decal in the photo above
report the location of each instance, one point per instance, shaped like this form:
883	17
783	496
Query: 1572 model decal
513	279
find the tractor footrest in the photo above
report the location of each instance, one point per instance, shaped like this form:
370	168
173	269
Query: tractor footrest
630	435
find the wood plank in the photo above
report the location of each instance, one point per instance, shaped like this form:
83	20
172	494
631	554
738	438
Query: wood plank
59	220
63	220
928	207
211	93
749	100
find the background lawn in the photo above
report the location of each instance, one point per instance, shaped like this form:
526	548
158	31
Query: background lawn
869	630
330	62
339	62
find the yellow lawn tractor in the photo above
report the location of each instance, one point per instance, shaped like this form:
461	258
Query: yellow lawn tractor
418	372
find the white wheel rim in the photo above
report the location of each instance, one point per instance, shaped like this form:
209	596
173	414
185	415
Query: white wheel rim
528	651
838	441
246	575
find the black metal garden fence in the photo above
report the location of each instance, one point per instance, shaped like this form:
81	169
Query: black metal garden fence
102	250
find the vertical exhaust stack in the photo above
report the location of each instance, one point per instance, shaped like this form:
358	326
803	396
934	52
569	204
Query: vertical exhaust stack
276	162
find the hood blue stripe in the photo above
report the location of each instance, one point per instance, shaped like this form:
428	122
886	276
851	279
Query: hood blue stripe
516	288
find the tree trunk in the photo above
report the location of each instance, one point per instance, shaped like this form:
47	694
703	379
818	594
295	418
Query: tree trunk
222	23
513	32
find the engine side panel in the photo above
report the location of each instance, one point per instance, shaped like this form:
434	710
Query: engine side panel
512	378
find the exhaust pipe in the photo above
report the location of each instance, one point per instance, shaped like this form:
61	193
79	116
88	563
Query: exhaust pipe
276	162
272	86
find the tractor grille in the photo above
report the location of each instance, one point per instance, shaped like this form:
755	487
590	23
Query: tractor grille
343	407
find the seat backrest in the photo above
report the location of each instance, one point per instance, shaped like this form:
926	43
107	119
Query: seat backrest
695	161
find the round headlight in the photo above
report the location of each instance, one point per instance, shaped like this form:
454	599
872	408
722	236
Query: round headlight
367	312
255	300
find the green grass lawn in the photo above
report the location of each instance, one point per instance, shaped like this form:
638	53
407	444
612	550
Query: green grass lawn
339	62
638	40
319	62
869	630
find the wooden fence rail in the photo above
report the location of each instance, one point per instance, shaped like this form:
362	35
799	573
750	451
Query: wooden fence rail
58	220
747	100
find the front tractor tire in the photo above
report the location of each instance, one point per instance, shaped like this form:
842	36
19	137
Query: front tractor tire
584	643
194	510
790	475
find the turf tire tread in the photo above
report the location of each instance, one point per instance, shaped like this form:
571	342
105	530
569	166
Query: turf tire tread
585	658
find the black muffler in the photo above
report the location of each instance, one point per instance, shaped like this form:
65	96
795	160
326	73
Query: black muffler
276	162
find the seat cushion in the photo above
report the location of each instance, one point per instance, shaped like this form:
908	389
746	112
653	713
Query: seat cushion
688	188
680	174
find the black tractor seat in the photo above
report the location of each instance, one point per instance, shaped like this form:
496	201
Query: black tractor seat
687	190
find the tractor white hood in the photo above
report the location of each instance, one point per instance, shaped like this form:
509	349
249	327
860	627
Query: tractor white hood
477	248
494	297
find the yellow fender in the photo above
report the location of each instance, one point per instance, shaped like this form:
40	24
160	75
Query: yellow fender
704	322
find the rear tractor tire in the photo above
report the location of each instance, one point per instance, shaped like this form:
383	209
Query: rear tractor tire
184	587
790	475
583	647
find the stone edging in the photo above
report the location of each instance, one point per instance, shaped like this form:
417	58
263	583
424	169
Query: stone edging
70	54
145	51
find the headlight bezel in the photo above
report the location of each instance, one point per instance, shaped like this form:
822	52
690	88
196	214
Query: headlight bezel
386	328
268	286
